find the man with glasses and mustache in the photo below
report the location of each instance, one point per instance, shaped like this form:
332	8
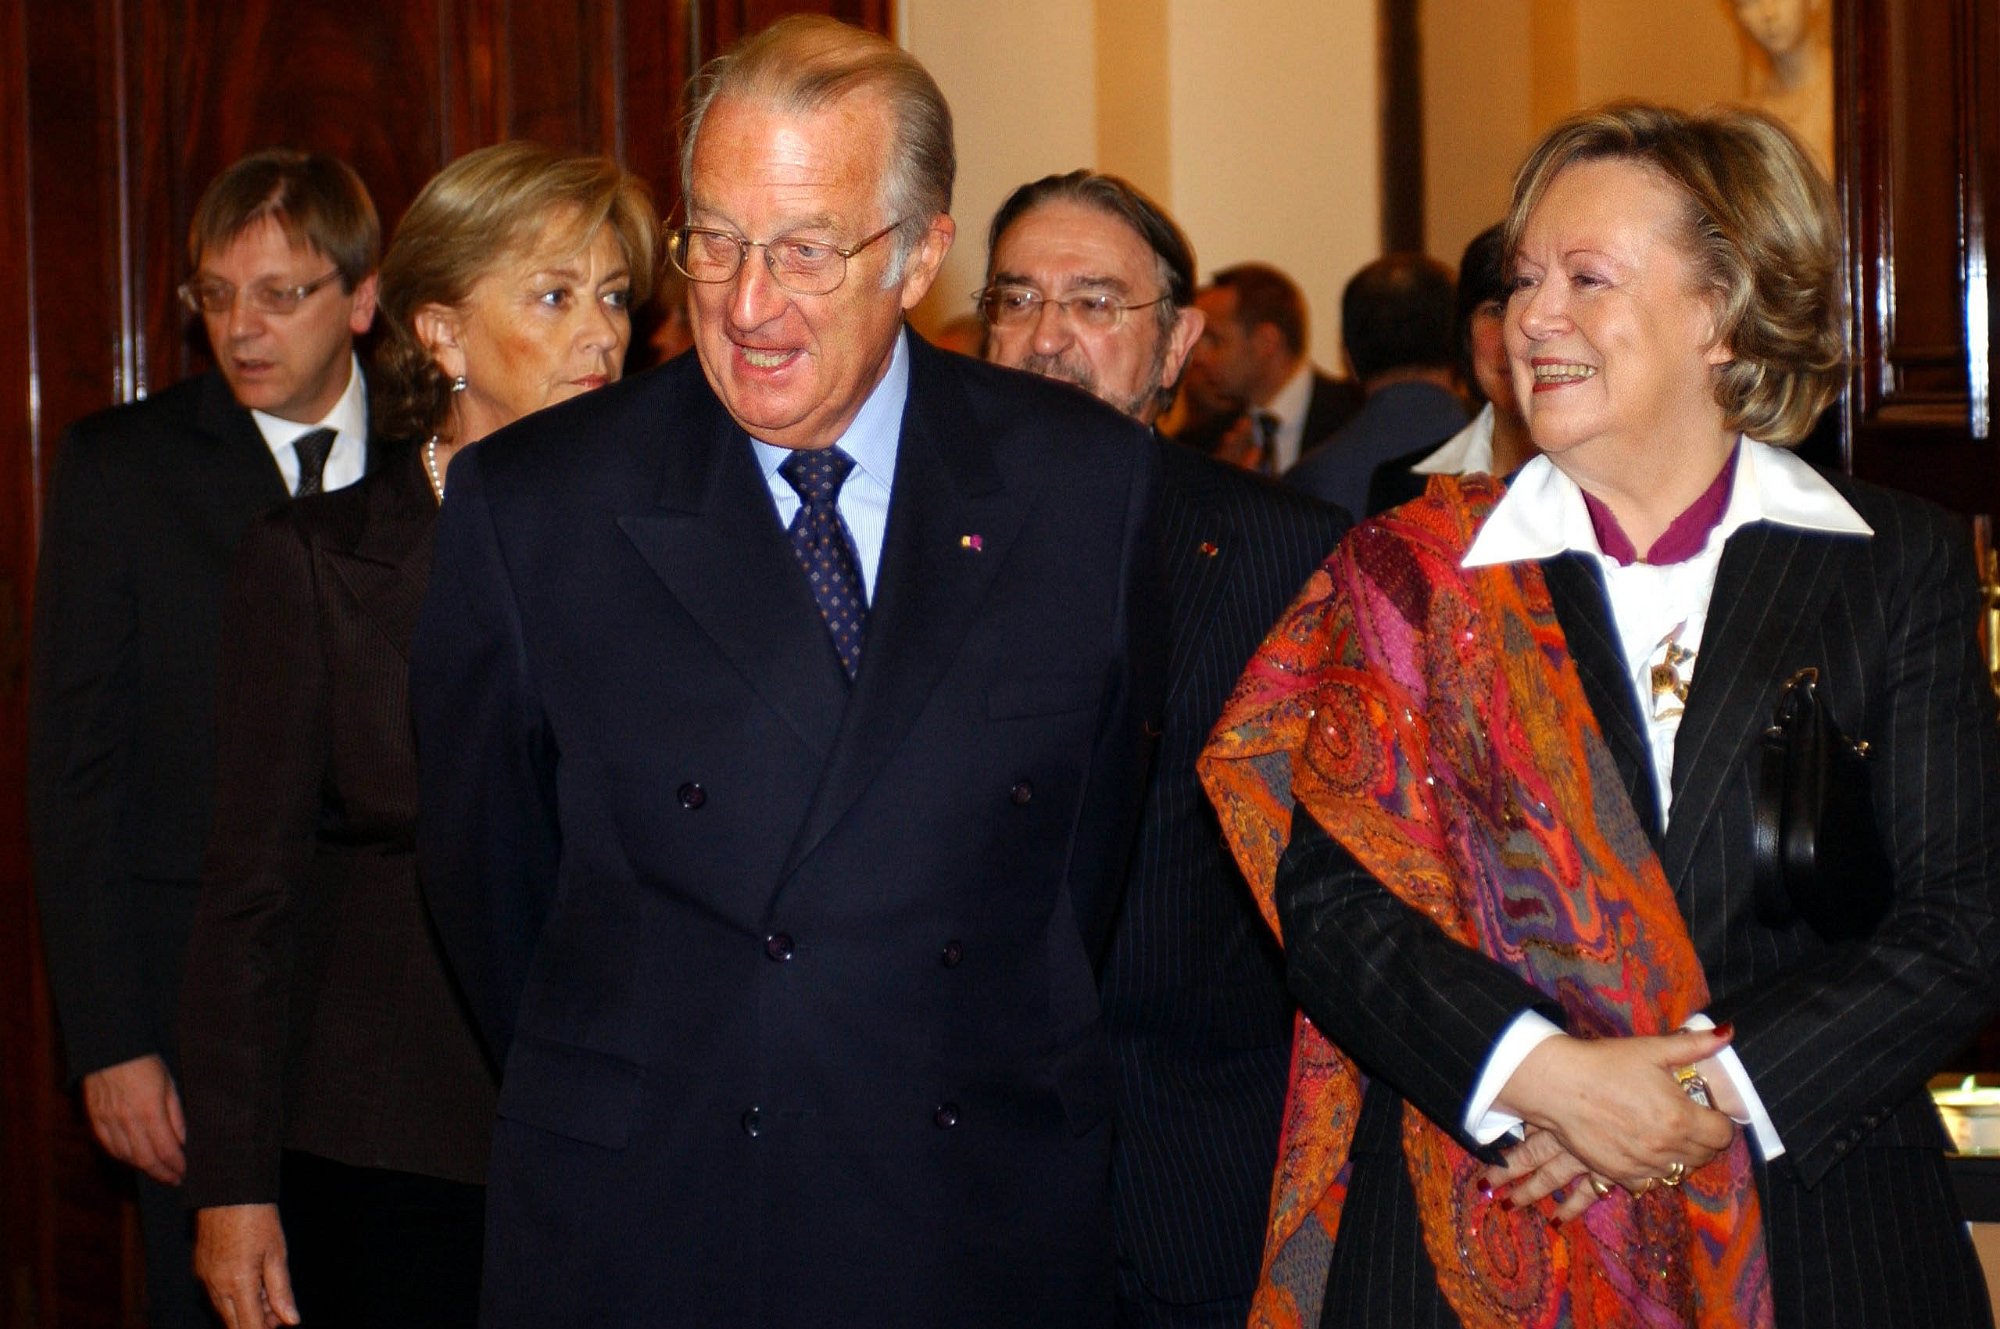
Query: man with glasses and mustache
782	721
147	504
1091	282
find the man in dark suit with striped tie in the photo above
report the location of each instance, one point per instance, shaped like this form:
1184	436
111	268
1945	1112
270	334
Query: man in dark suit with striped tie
1091	282
148	501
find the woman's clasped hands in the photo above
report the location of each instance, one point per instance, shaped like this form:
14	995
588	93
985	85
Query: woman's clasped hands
1609	1112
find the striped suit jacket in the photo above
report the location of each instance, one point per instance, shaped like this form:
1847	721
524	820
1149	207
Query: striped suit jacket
1193	985
1861	1225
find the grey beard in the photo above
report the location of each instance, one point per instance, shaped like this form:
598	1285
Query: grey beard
1075	372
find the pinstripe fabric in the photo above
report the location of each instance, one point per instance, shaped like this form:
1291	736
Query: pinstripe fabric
1861	1226
1193	987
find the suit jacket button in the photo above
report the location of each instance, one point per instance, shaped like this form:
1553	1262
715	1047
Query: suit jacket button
1021	793
945	1117
779	946
753	1124
692	795
953	953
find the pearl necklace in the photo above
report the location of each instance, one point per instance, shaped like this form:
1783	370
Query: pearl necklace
431	465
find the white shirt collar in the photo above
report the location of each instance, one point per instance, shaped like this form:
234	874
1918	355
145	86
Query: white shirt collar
1290	402
1542	514
1468	452
348	418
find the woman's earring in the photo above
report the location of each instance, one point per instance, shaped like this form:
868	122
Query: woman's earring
458	384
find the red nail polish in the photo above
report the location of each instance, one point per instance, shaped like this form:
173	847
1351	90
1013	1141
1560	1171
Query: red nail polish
1485	1189
1506	1203
1727	1029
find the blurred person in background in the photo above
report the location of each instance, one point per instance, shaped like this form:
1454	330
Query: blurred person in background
1260	401
147	505
1396	324
1495	441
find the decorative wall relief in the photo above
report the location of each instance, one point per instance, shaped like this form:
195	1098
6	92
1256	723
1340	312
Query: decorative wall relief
1794	79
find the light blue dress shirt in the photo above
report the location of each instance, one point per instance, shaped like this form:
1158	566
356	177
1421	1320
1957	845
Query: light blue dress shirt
871	441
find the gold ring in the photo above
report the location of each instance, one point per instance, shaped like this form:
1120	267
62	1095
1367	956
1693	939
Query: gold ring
1676	1174
1648	1187
1602	1187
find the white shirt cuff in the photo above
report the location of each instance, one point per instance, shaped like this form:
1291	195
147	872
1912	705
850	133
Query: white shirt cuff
1762	1129
1483	1122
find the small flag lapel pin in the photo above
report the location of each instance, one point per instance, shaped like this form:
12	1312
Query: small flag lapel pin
972	542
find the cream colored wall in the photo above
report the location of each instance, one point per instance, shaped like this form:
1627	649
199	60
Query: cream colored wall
1498	72
1013	71
1275	146
1253	121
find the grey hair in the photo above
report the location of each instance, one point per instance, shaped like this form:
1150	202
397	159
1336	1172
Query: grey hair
805	63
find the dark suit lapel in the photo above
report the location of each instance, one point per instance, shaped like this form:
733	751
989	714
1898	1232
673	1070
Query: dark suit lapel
1201	558
951	524
240	459
389	563
1772	584
1585	614
377	452
713	538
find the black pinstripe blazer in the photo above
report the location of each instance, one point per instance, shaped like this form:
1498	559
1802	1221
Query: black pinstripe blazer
1193	986
1861	1227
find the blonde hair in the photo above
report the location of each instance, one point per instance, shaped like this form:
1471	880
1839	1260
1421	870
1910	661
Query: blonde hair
807	62
488	205
1762	231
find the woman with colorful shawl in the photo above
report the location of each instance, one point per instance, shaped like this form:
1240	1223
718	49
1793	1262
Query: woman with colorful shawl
1494	776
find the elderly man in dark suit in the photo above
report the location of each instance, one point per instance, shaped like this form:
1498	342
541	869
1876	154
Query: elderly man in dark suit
781	717
149	500
1091	282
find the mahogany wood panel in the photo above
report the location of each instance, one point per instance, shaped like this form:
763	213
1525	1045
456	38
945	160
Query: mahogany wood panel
65	1239
1401	120
24	1074
1920	116
114	114
725	20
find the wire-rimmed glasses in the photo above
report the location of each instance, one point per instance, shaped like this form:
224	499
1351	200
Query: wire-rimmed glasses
802	264
1019	306
214	296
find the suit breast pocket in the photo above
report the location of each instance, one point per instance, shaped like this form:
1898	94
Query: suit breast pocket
570	1091
1041	694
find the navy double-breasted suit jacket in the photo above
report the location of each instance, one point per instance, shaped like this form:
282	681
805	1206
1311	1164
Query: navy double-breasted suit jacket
794	984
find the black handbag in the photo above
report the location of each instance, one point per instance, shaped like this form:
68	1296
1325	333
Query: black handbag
1818	855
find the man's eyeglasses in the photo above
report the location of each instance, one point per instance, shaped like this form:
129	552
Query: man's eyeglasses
218	297
1017	307
801	264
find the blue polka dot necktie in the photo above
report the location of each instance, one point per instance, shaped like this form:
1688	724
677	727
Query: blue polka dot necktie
825	550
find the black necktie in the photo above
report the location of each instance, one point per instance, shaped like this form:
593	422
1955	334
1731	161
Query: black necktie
1267	442
825	550
312	449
